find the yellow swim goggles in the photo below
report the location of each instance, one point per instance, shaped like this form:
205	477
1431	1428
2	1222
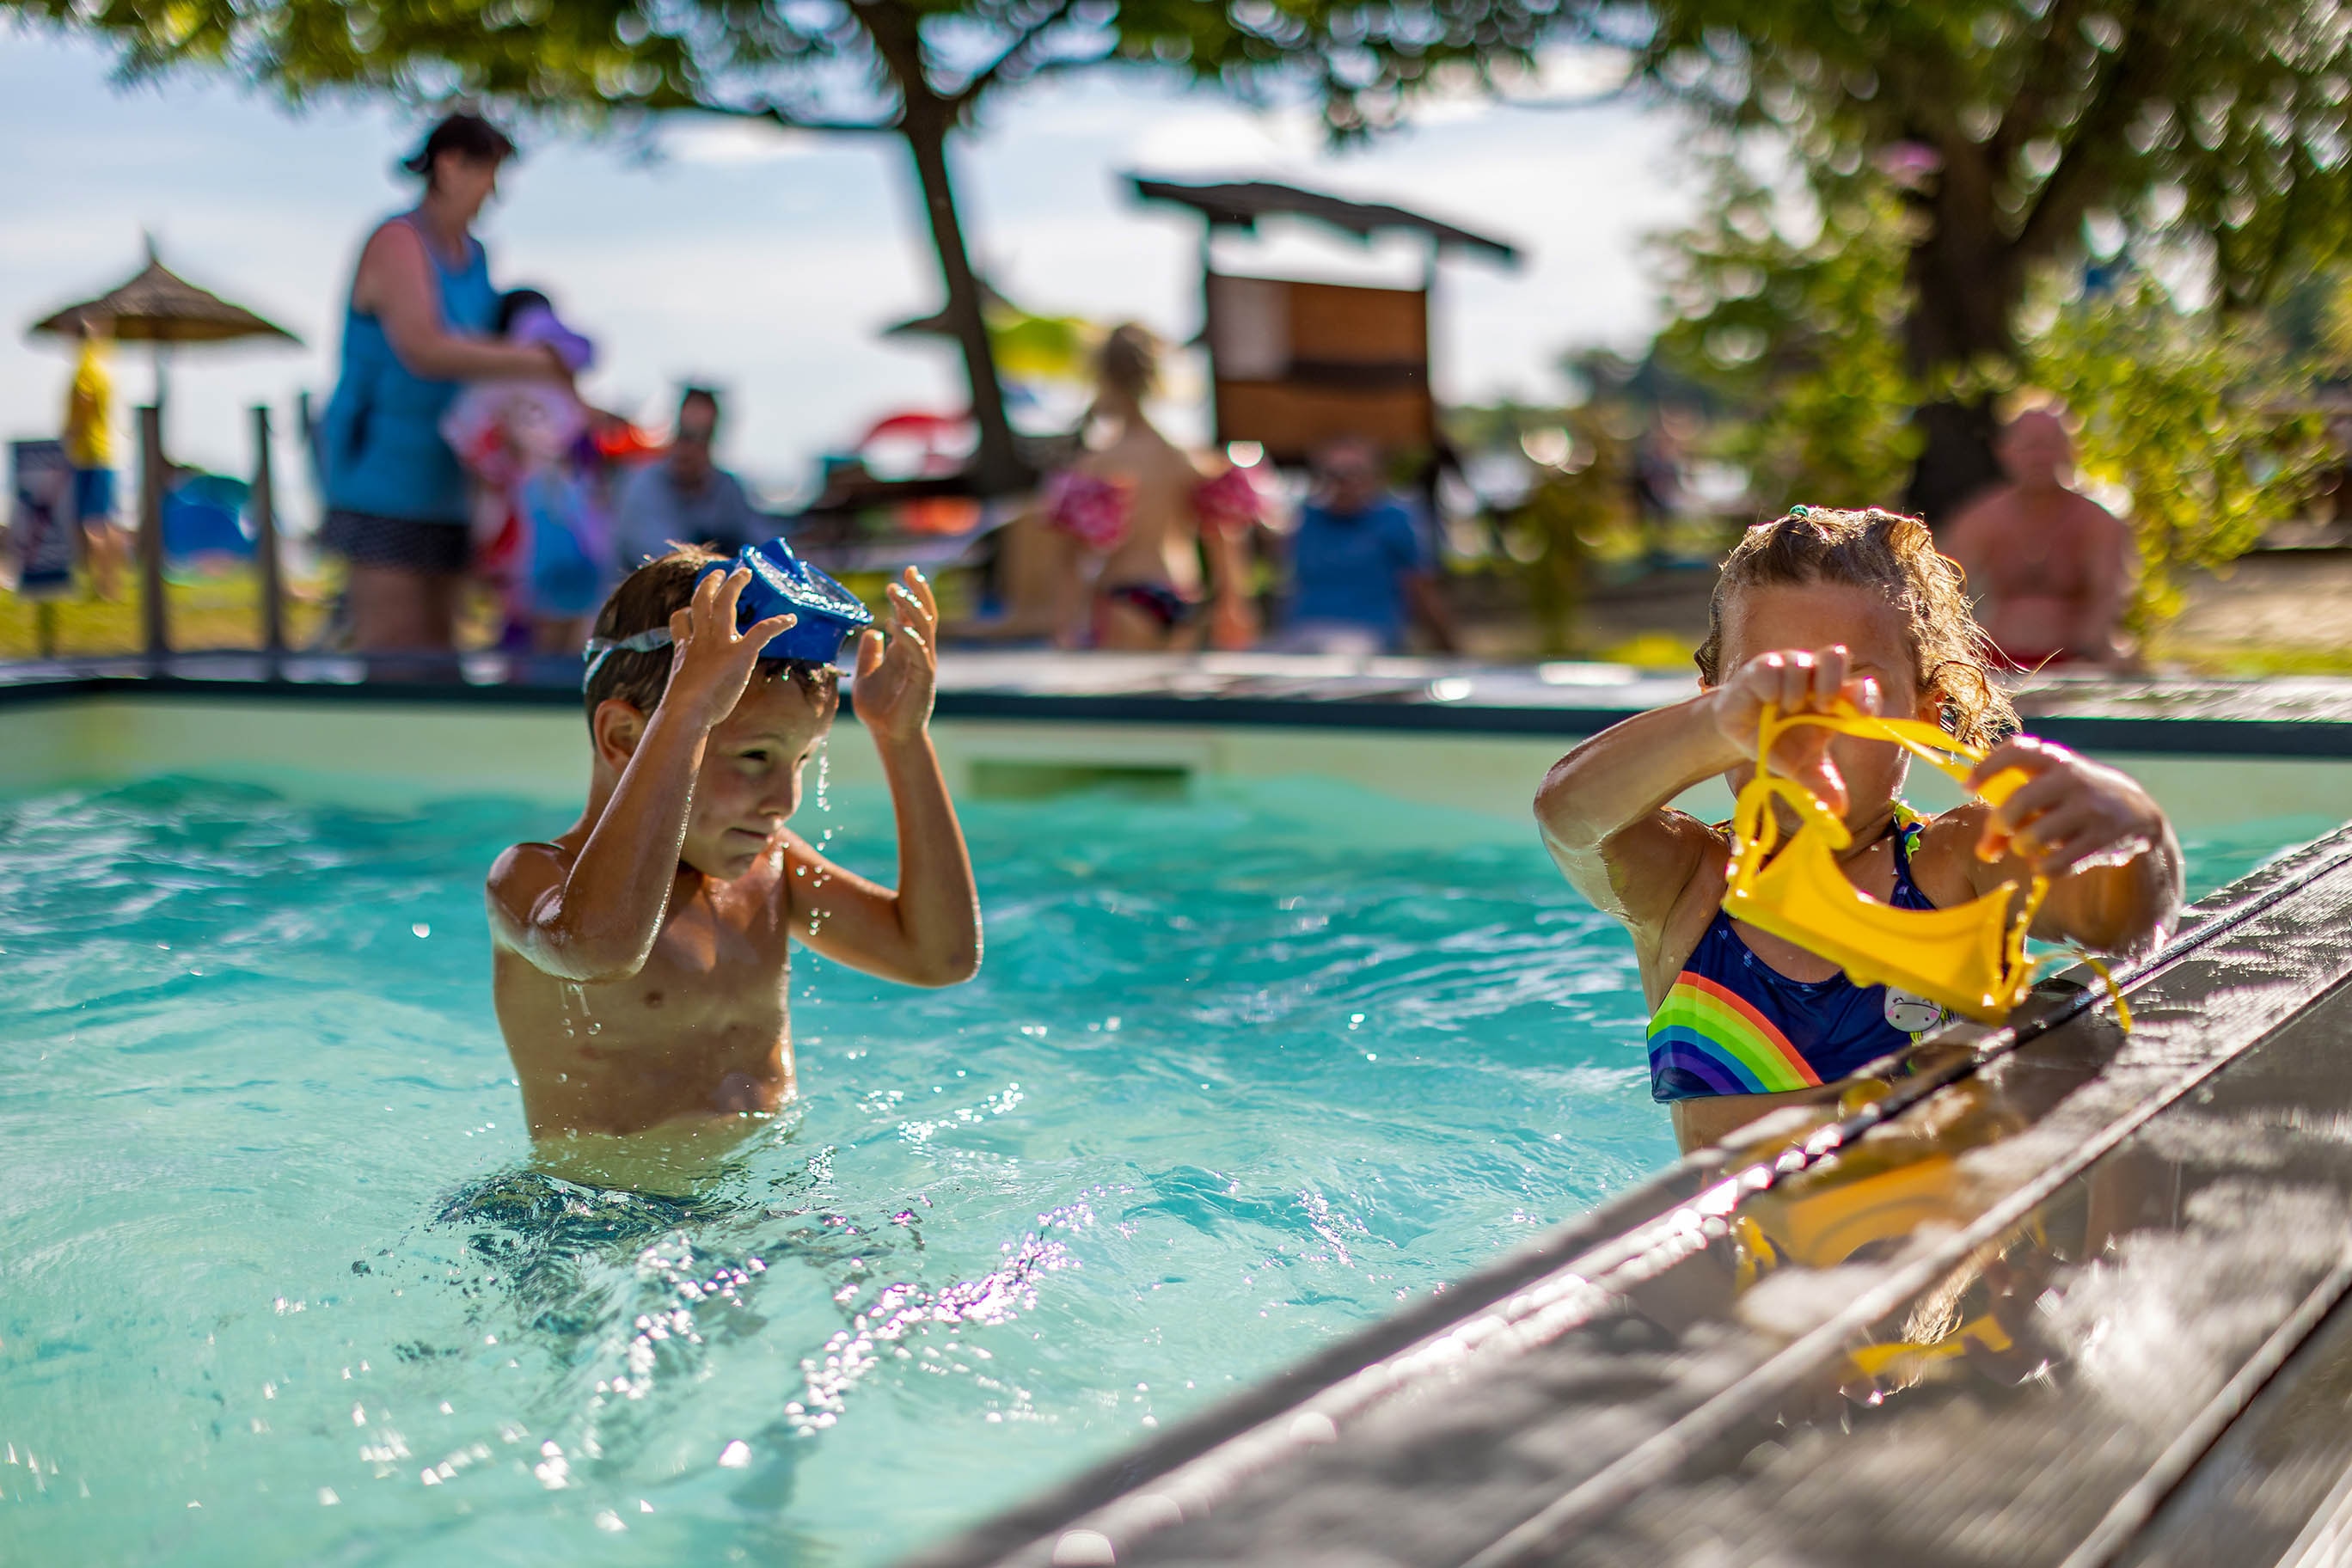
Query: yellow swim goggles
1970	960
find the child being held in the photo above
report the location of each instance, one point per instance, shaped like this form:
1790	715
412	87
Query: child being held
1818	608
643	958
541	532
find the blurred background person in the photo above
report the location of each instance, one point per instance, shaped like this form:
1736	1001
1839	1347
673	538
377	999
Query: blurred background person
421	315
684	497
90	448
1363	570
1136	517
2048	566
541	531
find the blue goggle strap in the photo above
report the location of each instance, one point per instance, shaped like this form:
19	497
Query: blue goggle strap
599	649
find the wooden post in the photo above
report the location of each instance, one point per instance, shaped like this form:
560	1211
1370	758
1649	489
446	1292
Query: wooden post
153	620
264	503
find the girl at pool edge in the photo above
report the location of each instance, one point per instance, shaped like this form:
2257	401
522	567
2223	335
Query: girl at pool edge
642	957
1815	607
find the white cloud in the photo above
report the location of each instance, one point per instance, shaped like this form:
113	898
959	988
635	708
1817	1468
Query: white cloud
703	139
1225	140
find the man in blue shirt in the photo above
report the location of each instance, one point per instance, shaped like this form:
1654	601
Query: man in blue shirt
1360	566
683	496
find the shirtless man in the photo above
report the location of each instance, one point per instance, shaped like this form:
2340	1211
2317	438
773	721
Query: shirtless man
643	958
1135	503
2045	563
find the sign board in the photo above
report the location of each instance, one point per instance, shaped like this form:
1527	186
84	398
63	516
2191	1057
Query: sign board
1298	364
41	517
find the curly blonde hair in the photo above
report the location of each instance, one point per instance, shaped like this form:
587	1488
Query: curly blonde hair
1897	555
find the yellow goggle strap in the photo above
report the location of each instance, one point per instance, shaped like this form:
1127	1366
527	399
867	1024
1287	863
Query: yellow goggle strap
1925	742
1756	831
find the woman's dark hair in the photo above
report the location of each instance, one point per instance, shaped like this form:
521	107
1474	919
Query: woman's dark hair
646	598
515	301
467	135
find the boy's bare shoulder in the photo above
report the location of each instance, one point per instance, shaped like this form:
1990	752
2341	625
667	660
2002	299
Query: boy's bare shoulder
523	874
522	860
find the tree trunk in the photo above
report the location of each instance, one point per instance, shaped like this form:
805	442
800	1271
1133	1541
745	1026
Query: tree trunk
1956	460
997	469
1966	285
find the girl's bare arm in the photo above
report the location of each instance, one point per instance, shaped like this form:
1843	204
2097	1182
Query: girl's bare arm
1603	808
2115	867
1602	811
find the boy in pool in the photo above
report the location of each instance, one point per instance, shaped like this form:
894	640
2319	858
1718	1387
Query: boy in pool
643	958
1817	608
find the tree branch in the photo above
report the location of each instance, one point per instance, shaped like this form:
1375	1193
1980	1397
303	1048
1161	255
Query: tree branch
2083	171
789	119
2062	32
1012	56
896	37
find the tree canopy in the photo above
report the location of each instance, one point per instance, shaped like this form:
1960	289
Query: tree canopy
918	70
827	65
2016	131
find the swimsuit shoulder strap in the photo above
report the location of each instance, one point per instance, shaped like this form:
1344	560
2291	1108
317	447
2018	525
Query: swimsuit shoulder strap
1908	825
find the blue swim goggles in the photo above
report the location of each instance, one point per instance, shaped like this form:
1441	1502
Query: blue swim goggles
782	585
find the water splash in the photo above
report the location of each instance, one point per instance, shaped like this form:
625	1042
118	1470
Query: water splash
902	1310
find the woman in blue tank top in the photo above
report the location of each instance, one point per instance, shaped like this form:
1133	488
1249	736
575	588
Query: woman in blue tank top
421	313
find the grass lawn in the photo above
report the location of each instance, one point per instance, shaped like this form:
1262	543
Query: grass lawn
212	612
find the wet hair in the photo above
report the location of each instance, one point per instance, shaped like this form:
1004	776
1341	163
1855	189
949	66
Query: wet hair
1897	556
467	135
1128	360
646	598
515	301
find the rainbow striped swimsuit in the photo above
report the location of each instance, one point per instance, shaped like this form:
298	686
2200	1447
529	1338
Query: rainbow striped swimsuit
1734	1024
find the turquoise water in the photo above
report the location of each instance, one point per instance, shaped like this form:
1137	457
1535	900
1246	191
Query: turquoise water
1241	1073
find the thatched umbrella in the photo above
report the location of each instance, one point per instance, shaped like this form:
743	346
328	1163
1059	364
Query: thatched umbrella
161	308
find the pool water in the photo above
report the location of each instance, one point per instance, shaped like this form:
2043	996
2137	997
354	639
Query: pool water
1241	1073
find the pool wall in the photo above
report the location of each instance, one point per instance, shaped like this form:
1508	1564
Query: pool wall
2133	1251
394	747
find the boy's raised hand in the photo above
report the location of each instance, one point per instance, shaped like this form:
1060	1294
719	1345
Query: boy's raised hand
898	672
1794	680
711	662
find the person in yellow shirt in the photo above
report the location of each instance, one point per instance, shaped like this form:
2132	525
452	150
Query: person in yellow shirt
90	448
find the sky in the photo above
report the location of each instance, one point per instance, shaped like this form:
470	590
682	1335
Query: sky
766	264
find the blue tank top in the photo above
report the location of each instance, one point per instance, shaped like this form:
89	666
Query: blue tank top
1734	1024
380	445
